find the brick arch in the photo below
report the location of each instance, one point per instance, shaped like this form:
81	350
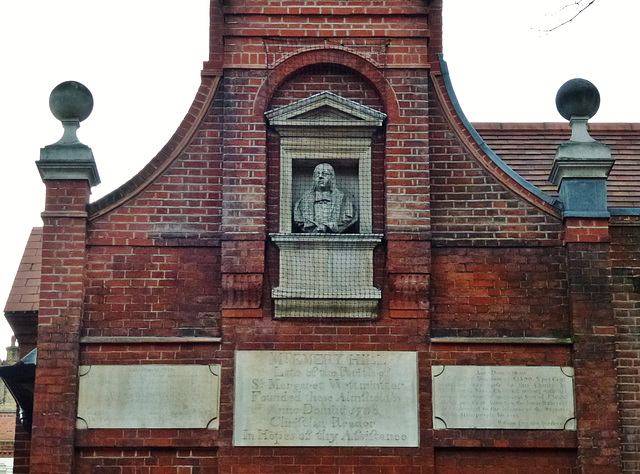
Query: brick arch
359	66
340	72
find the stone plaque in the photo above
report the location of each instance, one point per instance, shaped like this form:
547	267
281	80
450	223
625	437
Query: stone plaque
506	397
295	398
148	396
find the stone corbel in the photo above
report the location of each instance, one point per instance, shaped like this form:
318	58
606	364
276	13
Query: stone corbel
409	295
241	291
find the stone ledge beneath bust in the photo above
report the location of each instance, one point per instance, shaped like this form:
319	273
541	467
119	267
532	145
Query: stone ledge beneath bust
326	308
326	276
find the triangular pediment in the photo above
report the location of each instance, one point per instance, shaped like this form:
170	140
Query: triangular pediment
325	109
325	113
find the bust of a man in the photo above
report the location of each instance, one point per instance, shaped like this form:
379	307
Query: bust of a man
324	208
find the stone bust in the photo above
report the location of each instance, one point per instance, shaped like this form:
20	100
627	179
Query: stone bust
324	208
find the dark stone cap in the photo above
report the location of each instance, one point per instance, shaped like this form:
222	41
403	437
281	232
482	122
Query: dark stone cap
577	98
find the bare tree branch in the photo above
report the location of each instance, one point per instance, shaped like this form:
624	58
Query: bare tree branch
582	9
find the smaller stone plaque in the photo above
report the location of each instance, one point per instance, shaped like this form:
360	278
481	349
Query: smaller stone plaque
505	397
333	398
148	396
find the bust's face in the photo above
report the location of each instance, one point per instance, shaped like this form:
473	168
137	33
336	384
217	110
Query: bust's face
323	177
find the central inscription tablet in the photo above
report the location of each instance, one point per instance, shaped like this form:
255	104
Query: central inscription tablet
296	398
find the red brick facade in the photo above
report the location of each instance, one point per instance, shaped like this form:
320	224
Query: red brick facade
475	268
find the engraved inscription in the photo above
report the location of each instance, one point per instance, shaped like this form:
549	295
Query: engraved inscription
148	396
292	398
503	397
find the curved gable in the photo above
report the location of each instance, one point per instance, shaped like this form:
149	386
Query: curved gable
169	153
484	155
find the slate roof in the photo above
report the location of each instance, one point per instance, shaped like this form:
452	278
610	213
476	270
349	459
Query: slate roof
529	149
25	292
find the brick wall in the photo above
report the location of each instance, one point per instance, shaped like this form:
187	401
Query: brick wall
500	292
152	291
367	26
184	202
476	461
625	256
470	207
7	433
160	460
181	254
594	362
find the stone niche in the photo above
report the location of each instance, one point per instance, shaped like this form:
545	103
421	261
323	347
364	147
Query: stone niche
326	274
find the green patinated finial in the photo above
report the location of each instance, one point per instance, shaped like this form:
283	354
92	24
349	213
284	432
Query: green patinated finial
71	103
582	164
68	159
577	98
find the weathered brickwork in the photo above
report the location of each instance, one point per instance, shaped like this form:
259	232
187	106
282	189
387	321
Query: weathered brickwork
625	256
492	292
473	461
152	291
408	177
475	266
59	321
257	35
166	460
185	202
7	432
472	208
507	352
594	333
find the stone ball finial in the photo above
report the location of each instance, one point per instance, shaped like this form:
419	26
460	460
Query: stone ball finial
71	101
577	98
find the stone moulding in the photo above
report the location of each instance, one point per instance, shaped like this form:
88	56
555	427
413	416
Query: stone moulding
341	129
326	276
149	396
503	397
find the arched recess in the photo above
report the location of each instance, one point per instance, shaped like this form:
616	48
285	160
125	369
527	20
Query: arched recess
325	107
360	66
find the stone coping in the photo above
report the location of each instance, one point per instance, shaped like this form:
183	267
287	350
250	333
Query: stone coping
501	340
345	238
148	340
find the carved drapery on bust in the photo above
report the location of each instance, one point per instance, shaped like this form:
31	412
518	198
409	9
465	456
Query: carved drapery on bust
324	208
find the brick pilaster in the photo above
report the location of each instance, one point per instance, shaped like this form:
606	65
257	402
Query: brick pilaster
244	204
594	333
59	323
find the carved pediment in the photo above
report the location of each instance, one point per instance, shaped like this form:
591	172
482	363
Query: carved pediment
326	113
325	110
